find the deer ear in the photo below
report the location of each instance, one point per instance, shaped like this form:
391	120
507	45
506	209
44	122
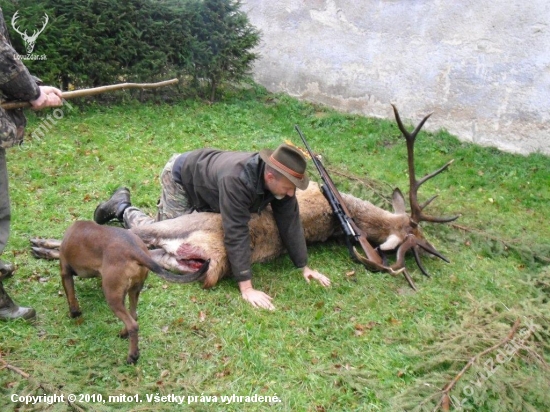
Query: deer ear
398	202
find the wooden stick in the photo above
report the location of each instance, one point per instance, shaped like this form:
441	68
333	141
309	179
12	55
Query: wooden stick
94	91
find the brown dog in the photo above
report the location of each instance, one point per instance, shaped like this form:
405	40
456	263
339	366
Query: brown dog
121	259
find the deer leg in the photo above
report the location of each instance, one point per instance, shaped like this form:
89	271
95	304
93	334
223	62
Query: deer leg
45	248
46	243
44	253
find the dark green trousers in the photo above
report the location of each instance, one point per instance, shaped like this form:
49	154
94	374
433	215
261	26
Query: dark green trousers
5	214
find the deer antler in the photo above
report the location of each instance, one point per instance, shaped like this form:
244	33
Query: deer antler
413	242
417	215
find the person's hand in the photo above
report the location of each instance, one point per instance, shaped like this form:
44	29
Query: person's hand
257	298
49	97
313	274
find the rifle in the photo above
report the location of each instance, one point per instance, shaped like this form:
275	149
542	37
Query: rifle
352	232
93	91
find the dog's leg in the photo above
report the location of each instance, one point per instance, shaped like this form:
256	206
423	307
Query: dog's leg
133	295
115	294
67	274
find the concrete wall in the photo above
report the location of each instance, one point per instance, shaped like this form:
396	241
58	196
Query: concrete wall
482	66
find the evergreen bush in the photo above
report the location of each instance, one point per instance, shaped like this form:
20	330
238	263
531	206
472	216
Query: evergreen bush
99	42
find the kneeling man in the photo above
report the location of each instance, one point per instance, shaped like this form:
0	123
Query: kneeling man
234	184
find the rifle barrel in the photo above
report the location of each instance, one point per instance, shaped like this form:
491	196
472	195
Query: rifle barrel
313	158
339	208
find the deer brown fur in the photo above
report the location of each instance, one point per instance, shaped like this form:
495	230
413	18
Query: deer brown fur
199	236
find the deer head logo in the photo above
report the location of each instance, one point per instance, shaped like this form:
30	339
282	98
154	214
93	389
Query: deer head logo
29	40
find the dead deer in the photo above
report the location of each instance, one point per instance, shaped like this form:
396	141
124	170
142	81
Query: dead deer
183	244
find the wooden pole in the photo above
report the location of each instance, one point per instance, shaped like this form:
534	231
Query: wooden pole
94	91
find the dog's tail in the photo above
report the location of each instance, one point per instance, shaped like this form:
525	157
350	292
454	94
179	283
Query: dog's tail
172	277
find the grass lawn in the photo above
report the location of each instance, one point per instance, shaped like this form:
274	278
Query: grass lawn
368	343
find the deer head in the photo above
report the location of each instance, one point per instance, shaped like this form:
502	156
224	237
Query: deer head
415	240
29	40
400	231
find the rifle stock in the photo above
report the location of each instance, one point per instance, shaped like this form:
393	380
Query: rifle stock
354	234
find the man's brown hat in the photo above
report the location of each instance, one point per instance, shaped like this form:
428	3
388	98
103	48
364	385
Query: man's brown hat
290	162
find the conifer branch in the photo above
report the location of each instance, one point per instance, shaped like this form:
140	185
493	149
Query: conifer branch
444	403
46	388
13	368
506	243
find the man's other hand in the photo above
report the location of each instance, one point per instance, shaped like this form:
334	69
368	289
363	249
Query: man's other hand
313	274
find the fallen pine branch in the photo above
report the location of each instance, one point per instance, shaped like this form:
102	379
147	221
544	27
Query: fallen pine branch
482	325
444	402
44	387
507	243
484	234
13	368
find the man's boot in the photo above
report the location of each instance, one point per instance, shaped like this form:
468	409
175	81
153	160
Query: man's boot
6	270
114	207
9	310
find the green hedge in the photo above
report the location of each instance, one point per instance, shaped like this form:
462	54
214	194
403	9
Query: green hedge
97	42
